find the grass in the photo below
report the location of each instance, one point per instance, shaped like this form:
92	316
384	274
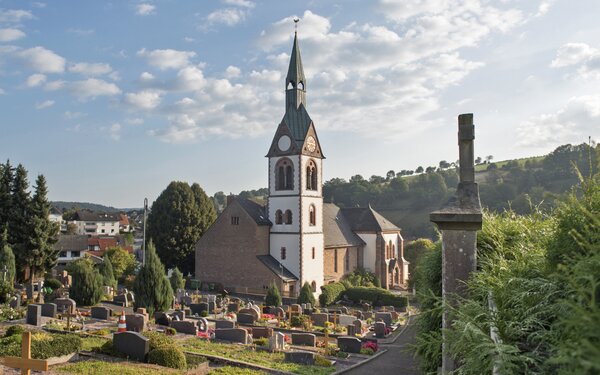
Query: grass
230	370
103	368
242	353
91	343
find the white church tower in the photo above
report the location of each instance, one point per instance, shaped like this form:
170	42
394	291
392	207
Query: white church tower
295	203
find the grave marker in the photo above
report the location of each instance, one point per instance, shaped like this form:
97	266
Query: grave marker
25	363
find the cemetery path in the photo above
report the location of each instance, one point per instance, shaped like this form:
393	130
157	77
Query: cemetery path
397	360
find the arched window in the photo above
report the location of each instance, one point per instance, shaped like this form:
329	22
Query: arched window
313	253
313	285
278	217
282	253
284	175
288	216
387	252
393	251
311	176
312	215
390	247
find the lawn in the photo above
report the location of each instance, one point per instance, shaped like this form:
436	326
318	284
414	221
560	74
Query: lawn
262	358
230	370
91	343
103	368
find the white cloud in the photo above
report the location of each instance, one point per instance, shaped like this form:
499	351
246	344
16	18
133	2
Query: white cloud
146	99
35	80
188	79
544	7
115	131
74	115
581	55
227	16
166	58
14	15
232	72
189	39
573	123
90	69
135	121
54	85
92	88
145	77
240	3
44	104
37	4
42	60
145	9
81	32
8	35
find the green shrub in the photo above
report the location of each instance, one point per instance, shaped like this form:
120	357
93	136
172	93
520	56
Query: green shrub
375	296
263	341
306	294
367	351
168	356
151	286
87	282
204	313
177	281
43	345
331	293
52	283
14	330
158	340
273	297
170	331
361	277
323	362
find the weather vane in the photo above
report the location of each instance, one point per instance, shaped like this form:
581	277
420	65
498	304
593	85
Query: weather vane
296	20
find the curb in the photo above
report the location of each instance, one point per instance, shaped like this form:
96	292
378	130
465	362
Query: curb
381	352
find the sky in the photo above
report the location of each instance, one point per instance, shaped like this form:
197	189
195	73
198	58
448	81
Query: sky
111	101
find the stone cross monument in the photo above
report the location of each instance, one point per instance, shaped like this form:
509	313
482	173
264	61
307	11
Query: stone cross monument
459	220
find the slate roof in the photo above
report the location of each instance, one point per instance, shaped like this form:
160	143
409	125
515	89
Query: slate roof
296	71
336	228
255	210
298	121
277	268
71	242
366	219
85	215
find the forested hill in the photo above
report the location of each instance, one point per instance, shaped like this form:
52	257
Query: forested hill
61	206
516	184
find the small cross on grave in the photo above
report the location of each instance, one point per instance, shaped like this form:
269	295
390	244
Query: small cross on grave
290	313
335	318
25	363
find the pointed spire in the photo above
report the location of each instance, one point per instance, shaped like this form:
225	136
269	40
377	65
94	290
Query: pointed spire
295	82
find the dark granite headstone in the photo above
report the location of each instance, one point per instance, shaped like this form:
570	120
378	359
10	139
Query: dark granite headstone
219	324
203	325
279	312
259	332
187	312
186	300
233	334
379	329
319	319
386	317
303	358
307	339
179	314
122	300
344	320
133	344
351	330
185	326
34	315
245	318
101	312
135	322
349	344
358	324
197	308
162	319
344	310
63	305
367	315
49	310
233	307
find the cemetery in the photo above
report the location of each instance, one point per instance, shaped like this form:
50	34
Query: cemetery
198	333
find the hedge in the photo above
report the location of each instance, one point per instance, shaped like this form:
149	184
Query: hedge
375	296
168	356
43	345
331	293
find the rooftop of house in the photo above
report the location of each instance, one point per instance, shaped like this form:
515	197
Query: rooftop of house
86	215
72	242
366	219
336	228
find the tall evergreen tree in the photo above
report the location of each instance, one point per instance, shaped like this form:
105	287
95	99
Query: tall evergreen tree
273	297
151	287
178	218
6	181
86	288
20	203
7	258
306	294
177	281
106	271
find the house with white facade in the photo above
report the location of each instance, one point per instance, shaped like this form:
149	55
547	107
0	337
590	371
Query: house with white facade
96	223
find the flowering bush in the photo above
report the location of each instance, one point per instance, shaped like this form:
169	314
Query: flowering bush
370	345
8	313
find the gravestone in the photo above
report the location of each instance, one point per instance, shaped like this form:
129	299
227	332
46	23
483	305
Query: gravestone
34	315
187	312
296	309
197	308
344	310
203	325
233	307
319	319
350	330
162	319
219	324
64	304
100	312
135	322
259	332
250	311
133	344
344	320
257	309
367	315
186	300
185	326
279	312
309	306
349	344
49	310
277	342
308	339
15	301
211	307
303	305
303	358
358	325
130	298
379	329
358	314
122	300
177	315
233	334
107	290
386	317
245	318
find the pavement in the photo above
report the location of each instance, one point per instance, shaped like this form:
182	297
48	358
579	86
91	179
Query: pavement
398	360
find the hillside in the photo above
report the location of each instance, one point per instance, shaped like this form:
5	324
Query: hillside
62	205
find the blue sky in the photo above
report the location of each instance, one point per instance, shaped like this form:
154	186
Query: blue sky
113	100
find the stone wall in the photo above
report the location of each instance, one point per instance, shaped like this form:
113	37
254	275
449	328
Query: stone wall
329	262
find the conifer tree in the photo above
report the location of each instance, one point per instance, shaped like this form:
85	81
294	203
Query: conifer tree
306	294
86	288
151	287
177	281
20	203
7	258
106	271
6	181
273	297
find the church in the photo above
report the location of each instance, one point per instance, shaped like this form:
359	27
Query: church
296	238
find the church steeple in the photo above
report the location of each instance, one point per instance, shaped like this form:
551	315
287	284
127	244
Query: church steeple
295	82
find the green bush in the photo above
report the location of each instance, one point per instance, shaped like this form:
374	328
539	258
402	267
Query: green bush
273	297
263	341
168	356
151	286
52	283
361	277
14	330
306	294
87	282
375	296
158	340
204	313
5	289
331	293
43	345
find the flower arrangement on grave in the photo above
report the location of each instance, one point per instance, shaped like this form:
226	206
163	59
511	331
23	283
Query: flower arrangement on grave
231	316
287	339
8	313
268	316
369	348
